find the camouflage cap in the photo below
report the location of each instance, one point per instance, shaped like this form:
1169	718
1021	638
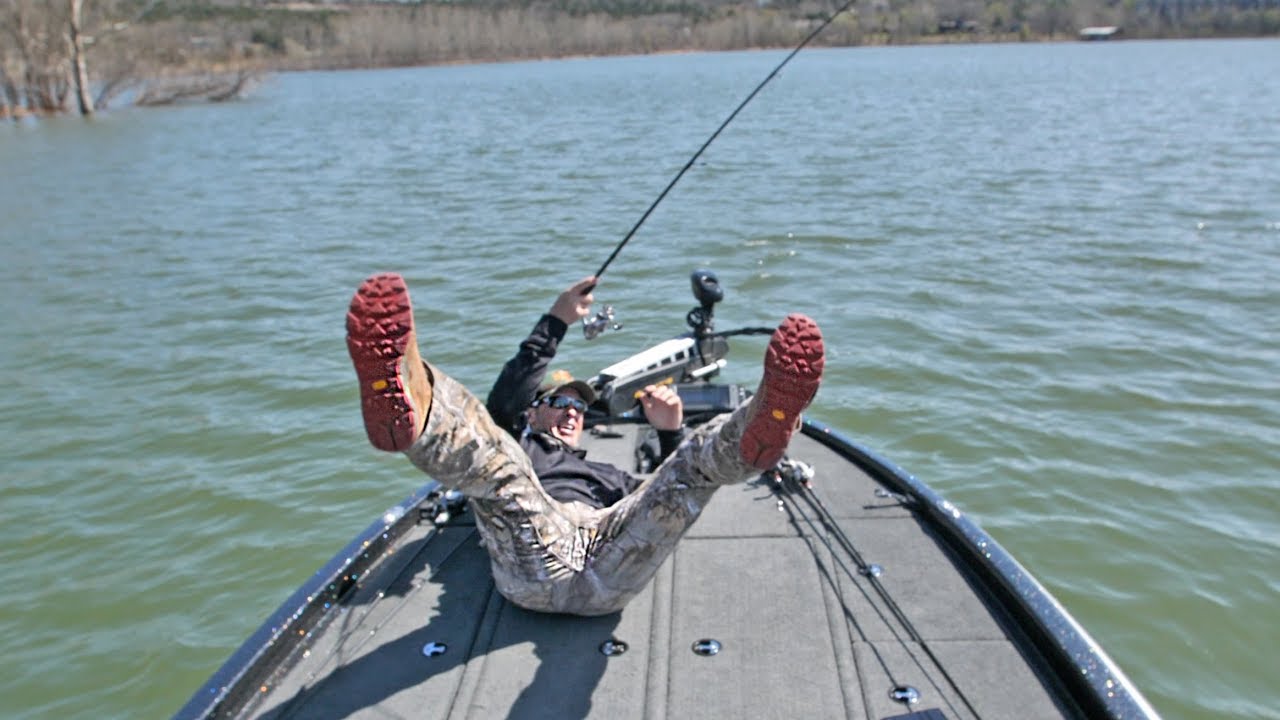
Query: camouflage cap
561	379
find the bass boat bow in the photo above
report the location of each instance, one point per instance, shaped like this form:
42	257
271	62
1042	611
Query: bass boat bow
833	586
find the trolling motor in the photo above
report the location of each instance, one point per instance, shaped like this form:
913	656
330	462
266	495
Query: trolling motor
711	348
707	291
690	358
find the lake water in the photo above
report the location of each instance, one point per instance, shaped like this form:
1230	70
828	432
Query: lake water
1049	276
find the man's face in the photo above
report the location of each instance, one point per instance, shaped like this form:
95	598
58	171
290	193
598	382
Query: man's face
563	422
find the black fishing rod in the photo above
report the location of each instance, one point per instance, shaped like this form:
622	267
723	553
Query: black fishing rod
848	4
791	482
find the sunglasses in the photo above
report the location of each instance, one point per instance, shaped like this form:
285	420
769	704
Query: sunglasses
561	402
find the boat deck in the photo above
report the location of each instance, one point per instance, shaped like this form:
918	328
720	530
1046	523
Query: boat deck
802	631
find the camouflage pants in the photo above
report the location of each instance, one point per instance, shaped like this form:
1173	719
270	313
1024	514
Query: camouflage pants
560	557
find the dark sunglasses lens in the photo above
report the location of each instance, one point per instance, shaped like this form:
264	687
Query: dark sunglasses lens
560	402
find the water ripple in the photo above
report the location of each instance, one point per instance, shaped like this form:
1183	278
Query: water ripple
1053	301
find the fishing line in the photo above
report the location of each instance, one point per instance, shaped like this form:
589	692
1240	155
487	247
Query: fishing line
848	4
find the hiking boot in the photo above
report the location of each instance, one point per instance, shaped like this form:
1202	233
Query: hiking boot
395	387
792	370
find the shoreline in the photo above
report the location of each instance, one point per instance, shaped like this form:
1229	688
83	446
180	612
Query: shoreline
336	66
258	67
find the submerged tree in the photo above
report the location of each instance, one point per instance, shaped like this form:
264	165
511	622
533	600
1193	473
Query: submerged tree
52	51
79	68
42	57
30	60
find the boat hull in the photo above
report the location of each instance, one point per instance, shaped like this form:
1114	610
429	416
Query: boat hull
839	601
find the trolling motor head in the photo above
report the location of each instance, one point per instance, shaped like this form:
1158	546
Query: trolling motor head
707	291
706	288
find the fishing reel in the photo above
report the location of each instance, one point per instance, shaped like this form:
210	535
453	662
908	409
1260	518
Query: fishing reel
789	477
794	472
441	506
604	320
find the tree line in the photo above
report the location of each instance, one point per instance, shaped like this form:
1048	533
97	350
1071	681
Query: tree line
81	55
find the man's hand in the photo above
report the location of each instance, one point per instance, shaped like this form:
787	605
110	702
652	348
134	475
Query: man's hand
575	302
663	407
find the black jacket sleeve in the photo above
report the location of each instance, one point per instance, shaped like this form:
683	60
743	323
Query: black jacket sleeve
517	384
668	441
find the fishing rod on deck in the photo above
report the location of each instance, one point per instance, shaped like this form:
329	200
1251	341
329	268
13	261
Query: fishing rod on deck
605	318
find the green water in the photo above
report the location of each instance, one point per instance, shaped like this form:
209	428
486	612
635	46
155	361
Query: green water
1049	276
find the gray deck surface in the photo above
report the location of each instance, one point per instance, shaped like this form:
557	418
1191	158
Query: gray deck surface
803	634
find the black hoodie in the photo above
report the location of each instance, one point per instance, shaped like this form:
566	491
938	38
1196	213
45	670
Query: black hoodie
564	471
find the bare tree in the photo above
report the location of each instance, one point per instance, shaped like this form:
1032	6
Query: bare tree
34	58
79	67
43	56
54	50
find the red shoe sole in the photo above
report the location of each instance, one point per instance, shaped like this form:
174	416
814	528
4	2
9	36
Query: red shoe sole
792	372
379	333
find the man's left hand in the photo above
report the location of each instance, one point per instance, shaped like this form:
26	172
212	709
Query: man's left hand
663	407
575	302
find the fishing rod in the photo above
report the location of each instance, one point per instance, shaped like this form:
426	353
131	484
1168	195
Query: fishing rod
848	4
791	482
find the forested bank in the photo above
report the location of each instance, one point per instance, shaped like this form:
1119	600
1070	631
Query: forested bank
61	55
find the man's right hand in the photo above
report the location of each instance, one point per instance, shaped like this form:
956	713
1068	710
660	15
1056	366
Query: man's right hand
663	407
575	302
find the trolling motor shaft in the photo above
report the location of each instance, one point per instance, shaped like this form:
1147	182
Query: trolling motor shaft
711	350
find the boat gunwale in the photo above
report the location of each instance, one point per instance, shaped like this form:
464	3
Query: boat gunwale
265	654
